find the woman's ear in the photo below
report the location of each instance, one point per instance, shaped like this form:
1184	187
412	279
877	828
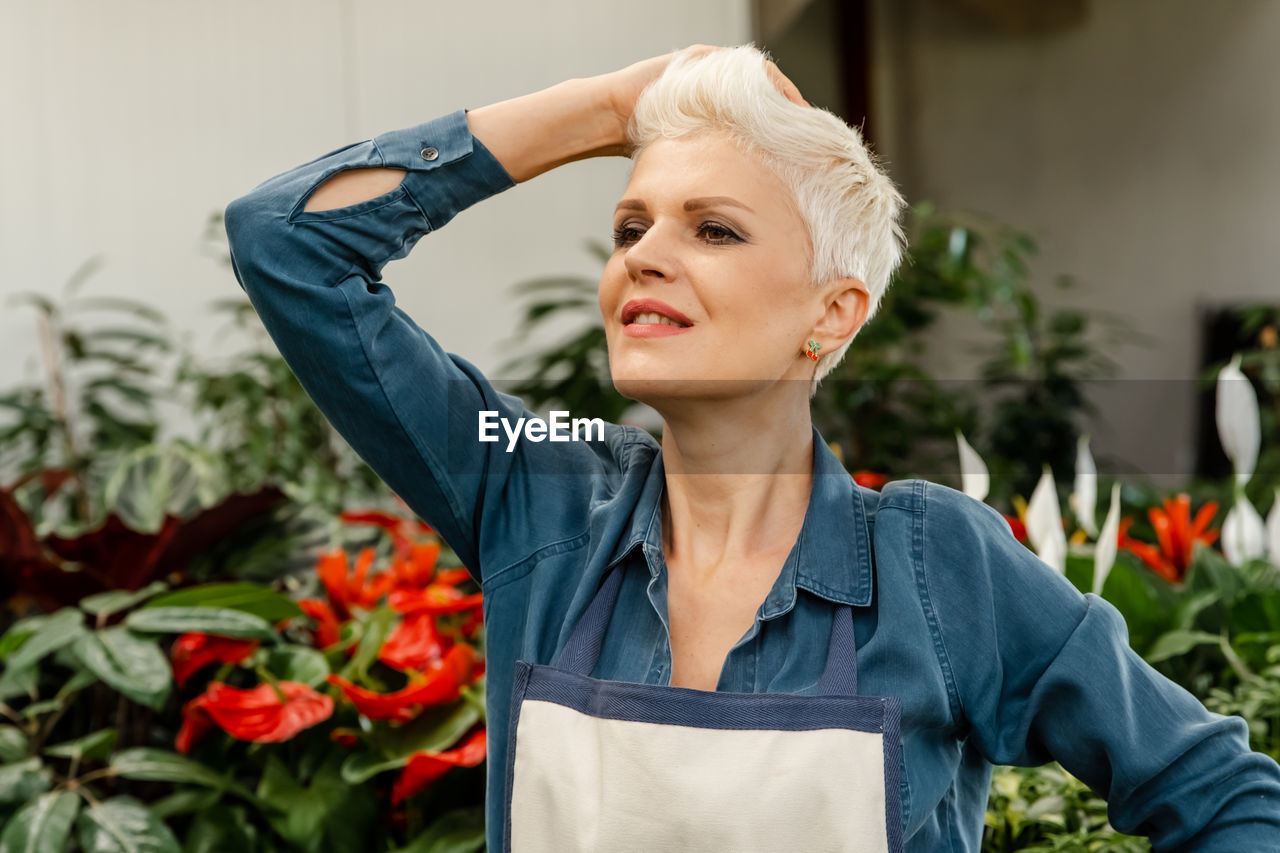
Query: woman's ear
847	303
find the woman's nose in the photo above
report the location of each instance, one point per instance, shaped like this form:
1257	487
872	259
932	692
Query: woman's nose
652	256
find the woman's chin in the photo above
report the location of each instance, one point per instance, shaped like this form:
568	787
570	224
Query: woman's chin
661	393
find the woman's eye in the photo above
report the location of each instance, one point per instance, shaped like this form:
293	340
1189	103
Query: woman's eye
625	235
714	232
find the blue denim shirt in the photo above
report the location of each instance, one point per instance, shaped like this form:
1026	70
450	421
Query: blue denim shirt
995	657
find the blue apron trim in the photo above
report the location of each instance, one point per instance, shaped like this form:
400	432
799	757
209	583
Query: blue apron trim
681	706
893	781
519	683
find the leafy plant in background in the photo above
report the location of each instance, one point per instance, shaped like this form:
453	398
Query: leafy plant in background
98	501
882	407
1042	809
99	396
315	732
260	422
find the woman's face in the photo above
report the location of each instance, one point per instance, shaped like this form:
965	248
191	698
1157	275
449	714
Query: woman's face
707	291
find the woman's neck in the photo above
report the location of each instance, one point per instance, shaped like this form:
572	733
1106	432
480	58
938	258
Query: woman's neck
738	477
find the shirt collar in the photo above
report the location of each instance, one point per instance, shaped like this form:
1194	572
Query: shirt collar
831	557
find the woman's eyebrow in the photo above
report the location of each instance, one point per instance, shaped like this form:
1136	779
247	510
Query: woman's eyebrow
715	201
691	204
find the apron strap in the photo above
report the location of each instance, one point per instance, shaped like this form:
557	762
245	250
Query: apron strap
840	678
582	651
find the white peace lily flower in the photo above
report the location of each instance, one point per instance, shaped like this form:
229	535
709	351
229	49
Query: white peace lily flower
1273	531
975	481
1044	523
1104	554
1239	428
1244	536
1084	495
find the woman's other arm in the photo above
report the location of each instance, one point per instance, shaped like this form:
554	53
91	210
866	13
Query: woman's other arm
1039	672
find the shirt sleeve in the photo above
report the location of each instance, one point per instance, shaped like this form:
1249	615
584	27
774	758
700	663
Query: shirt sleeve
407	407
1039	672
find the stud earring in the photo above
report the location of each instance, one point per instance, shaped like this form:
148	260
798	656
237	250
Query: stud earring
812	351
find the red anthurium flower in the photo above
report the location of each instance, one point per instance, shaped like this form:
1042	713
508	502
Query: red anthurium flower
870	479
1177	534
414	644
437	598
439	683
354	588
193	652
265	714
328	629
414	569
426	767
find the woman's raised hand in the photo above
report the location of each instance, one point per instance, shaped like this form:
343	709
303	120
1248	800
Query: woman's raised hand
626	84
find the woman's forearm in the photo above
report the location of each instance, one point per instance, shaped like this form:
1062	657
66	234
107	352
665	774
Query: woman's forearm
534	133
528	135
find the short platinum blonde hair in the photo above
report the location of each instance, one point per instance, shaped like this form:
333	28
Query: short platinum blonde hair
848	203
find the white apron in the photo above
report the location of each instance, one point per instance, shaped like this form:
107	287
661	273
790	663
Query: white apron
596	765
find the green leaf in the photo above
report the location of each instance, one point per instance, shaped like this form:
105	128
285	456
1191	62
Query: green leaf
300	815
298	663
327	811
21	781
123	825
1192	606
107	603
434	730
157	765
35	709
219	621
93	745
460	831
363	766
259	600
17	682
18	633
376	630
58	630
13	744
218	829
144	764
1175	643
157	480
82	679
42	825
185	801
133	666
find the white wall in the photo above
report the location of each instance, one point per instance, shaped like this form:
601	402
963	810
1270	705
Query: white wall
125	124
1142	150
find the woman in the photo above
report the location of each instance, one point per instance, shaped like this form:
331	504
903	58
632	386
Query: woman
781	659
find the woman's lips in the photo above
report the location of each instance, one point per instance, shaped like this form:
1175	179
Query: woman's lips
649	318
653	330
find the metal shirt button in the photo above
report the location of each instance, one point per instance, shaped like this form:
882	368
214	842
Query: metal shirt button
430	153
